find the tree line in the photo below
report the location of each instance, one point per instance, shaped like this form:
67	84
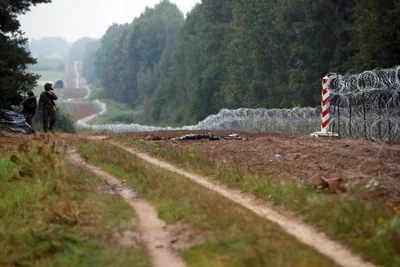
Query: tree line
235	53
14	57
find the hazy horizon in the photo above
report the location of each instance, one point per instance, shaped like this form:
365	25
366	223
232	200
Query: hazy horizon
62	17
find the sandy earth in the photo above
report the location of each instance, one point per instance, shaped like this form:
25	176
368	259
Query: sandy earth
302	157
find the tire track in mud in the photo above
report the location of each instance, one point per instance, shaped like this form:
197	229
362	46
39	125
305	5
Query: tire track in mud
152	234
304	233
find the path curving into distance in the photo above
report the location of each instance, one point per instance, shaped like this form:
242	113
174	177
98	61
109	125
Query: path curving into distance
77	97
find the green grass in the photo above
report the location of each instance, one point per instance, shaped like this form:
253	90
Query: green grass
237	237
47	64
52	215
366	225
117	113
121	113
48	76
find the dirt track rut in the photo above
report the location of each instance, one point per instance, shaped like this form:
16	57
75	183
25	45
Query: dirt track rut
304	233
152	236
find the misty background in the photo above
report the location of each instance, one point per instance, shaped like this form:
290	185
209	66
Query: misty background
177	62
73	19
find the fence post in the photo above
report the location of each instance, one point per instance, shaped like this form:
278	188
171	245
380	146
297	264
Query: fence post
325	114
325	104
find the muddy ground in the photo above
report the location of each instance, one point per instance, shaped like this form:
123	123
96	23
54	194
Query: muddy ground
302	157
74	93
82	110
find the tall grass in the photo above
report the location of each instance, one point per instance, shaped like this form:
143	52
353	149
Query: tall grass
51	214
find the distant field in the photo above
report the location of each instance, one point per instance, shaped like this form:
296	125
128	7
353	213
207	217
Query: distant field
47	77
75	93
79	110
117	113
45	64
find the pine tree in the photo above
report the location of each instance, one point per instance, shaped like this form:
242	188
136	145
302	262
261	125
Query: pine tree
14	80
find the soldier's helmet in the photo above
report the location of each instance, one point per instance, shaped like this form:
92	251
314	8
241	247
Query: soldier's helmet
48	87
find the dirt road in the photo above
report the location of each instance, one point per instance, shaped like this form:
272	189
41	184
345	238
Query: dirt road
293	226
153	234
78	110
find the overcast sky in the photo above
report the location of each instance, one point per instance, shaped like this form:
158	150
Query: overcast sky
73	19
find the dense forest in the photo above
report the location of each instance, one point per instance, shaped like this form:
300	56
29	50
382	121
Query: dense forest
235	53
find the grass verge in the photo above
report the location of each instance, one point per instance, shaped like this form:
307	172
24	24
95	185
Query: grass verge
117	113
370	228
51	213
239	237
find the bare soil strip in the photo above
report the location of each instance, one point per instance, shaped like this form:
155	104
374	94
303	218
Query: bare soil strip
152	235
304	233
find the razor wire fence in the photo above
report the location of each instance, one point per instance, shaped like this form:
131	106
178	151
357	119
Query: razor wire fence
367	105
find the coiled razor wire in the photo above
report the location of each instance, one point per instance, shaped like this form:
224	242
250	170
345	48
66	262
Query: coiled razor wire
296	120
365	105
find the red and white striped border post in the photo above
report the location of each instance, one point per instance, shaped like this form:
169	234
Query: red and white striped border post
325	114
325	119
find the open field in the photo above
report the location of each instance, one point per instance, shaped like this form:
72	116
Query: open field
363	215
228	235
82	110
47	77
117	113
74	93
302	157
203	226
79	110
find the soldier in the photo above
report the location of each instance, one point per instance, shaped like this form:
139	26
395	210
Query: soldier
29	109
47	107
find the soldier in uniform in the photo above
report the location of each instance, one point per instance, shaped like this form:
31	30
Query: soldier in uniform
47	107
29	109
